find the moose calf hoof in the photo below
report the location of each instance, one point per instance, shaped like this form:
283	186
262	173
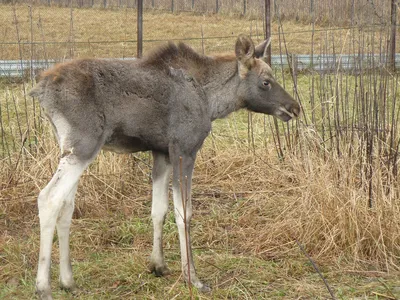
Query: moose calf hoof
201	287
70	288
204	289
44	294
159	271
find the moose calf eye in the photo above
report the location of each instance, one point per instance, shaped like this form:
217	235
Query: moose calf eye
265	83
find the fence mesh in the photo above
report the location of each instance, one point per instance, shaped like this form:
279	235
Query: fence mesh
322	11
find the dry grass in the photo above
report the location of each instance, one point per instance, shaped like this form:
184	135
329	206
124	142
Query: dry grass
323	11
249	210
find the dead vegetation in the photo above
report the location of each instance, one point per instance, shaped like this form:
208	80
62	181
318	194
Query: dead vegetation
247	206
322	12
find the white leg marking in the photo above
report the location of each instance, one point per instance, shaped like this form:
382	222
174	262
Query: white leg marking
161	172
184	239
63	226
50	202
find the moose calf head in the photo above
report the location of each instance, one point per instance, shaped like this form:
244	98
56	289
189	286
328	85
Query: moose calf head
258	90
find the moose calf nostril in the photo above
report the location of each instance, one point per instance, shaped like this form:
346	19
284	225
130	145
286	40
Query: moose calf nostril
296	111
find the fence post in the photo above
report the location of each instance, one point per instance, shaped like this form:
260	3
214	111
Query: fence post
393	35
352	13
294	65
244	7
139	28
216	6
172	5
267	5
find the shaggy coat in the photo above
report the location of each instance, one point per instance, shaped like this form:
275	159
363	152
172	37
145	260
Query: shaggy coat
163	103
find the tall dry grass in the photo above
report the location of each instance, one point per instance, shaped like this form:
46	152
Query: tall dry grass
319	200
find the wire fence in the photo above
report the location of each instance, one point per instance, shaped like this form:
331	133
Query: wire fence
328	63
323	11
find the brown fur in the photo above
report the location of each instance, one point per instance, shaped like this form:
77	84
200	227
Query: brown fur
178	56
62	71
225	57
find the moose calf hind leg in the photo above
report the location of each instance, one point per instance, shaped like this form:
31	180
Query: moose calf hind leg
52	201
63	228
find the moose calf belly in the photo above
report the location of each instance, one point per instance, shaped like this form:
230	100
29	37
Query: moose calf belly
121	143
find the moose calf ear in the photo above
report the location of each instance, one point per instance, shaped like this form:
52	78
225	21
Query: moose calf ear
261	49
244	50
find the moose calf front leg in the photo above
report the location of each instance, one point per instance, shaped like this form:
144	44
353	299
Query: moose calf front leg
183	214
161	172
